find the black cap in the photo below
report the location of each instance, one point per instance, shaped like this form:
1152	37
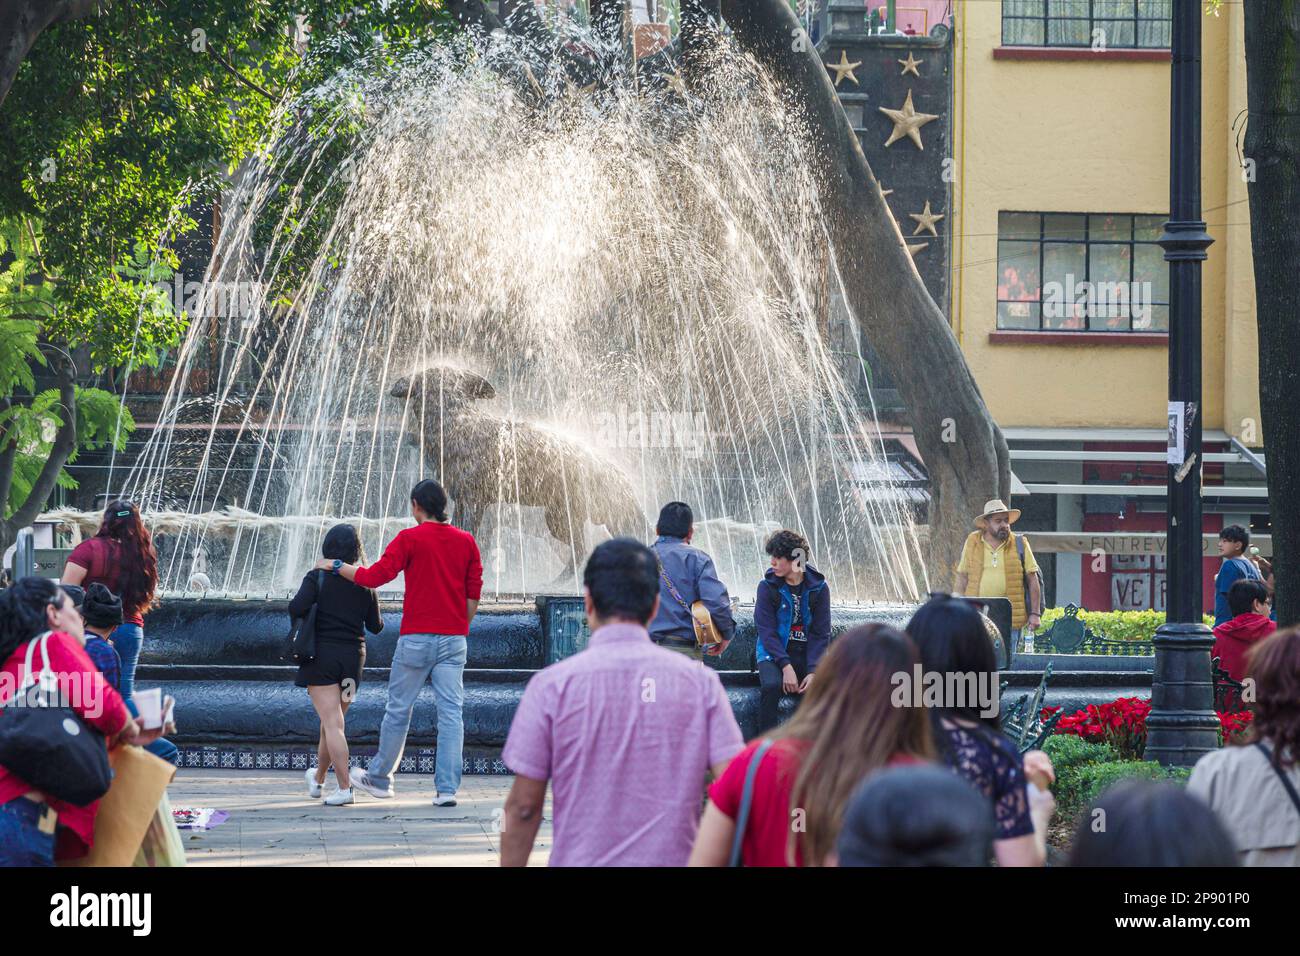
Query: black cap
102	608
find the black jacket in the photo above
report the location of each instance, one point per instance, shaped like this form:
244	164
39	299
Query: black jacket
343	608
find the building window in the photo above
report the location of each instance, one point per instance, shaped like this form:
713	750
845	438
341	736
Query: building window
1100	24
1082	272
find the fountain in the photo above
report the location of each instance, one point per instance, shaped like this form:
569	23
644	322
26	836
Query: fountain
568	304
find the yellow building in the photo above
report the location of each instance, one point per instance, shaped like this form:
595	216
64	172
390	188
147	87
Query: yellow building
1061	158
1040	129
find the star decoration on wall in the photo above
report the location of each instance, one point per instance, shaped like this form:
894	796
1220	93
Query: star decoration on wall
907	122
910	65
883	190
925	220
912	250
844	69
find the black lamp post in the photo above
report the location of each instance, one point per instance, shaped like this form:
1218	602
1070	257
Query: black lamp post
1182	725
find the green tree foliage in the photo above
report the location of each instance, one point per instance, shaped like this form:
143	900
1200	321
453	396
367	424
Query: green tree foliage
118	124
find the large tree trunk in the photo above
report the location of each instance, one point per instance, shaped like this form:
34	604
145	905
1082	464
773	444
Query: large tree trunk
964	450
65	442
1273	142
22	21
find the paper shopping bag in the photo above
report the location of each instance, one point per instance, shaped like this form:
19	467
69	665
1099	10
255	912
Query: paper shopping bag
139	782
162	845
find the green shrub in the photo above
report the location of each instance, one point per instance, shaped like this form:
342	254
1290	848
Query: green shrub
1078	785
1068	753
1117	625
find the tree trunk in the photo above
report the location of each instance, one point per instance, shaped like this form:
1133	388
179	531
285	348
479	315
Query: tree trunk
964	450
1272	37
65	442
22	21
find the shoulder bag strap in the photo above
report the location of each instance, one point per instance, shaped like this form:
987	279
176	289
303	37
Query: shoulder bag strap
672	588
40	639
746	801
1281	775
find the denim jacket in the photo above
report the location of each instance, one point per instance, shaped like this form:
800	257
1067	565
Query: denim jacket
774	615
693	574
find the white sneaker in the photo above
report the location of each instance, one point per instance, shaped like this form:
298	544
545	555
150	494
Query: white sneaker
445	800
313	788
362	779
339	798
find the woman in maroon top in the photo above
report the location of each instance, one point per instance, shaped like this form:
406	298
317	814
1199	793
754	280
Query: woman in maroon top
846	728
121	557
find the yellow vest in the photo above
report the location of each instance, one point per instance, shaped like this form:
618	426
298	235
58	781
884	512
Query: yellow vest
1015	572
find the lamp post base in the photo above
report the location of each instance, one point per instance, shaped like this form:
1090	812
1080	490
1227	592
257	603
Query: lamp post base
1182	725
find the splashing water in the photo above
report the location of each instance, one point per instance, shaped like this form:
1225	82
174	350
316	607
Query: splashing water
568	305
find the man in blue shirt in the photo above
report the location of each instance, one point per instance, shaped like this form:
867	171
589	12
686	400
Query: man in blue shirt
792	617
1234	541
691	574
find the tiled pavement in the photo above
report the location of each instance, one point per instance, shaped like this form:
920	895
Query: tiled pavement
274	823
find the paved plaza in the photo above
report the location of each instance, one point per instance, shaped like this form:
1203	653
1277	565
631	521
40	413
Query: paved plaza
274	823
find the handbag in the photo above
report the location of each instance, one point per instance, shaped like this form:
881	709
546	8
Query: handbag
746	801
302	630
47	743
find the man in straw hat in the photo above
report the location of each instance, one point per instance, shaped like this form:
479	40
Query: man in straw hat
995	562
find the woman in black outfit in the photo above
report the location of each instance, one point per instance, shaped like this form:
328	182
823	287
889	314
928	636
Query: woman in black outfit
952	639
344	612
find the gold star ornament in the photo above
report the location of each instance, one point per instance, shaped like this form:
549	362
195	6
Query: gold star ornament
912	250
907	122
925	220
910	65
844	69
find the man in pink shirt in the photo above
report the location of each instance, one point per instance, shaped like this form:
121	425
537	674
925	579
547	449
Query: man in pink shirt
625	731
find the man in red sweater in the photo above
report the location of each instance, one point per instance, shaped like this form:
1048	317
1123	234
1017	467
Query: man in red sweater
443	582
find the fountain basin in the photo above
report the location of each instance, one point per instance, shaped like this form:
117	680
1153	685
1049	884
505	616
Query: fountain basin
237	705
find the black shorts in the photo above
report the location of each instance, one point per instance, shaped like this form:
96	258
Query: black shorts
336	662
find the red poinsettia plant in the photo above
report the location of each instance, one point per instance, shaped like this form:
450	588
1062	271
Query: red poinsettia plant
1122	723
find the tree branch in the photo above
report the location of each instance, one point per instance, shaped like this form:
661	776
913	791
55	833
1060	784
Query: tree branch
8	455
22	21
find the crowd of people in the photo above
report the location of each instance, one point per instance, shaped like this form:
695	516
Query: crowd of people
638	743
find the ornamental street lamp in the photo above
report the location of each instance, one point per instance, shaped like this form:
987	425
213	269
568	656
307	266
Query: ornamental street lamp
1182	724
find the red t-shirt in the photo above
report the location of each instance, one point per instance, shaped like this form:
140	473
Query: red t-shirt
769	824
101	557
443	571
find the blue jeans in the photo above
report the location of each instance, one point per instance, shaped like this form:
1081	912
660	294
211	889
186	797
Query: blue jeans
421	657
127	639
164	748
21	841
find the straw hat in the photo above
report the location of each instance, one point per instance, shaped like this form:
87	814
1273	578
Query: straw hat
996	506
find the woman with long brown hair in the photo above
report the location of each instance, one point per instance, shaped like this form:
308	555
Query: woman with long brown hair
1255	788
846	728
121	557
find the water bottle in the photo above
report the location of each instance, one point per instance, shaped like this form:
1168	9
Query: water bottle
1028	634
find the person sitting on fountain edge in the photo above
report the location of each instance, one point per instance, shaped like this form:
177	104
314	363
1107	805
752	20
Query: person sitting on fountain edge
443	576
686	575
792	618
